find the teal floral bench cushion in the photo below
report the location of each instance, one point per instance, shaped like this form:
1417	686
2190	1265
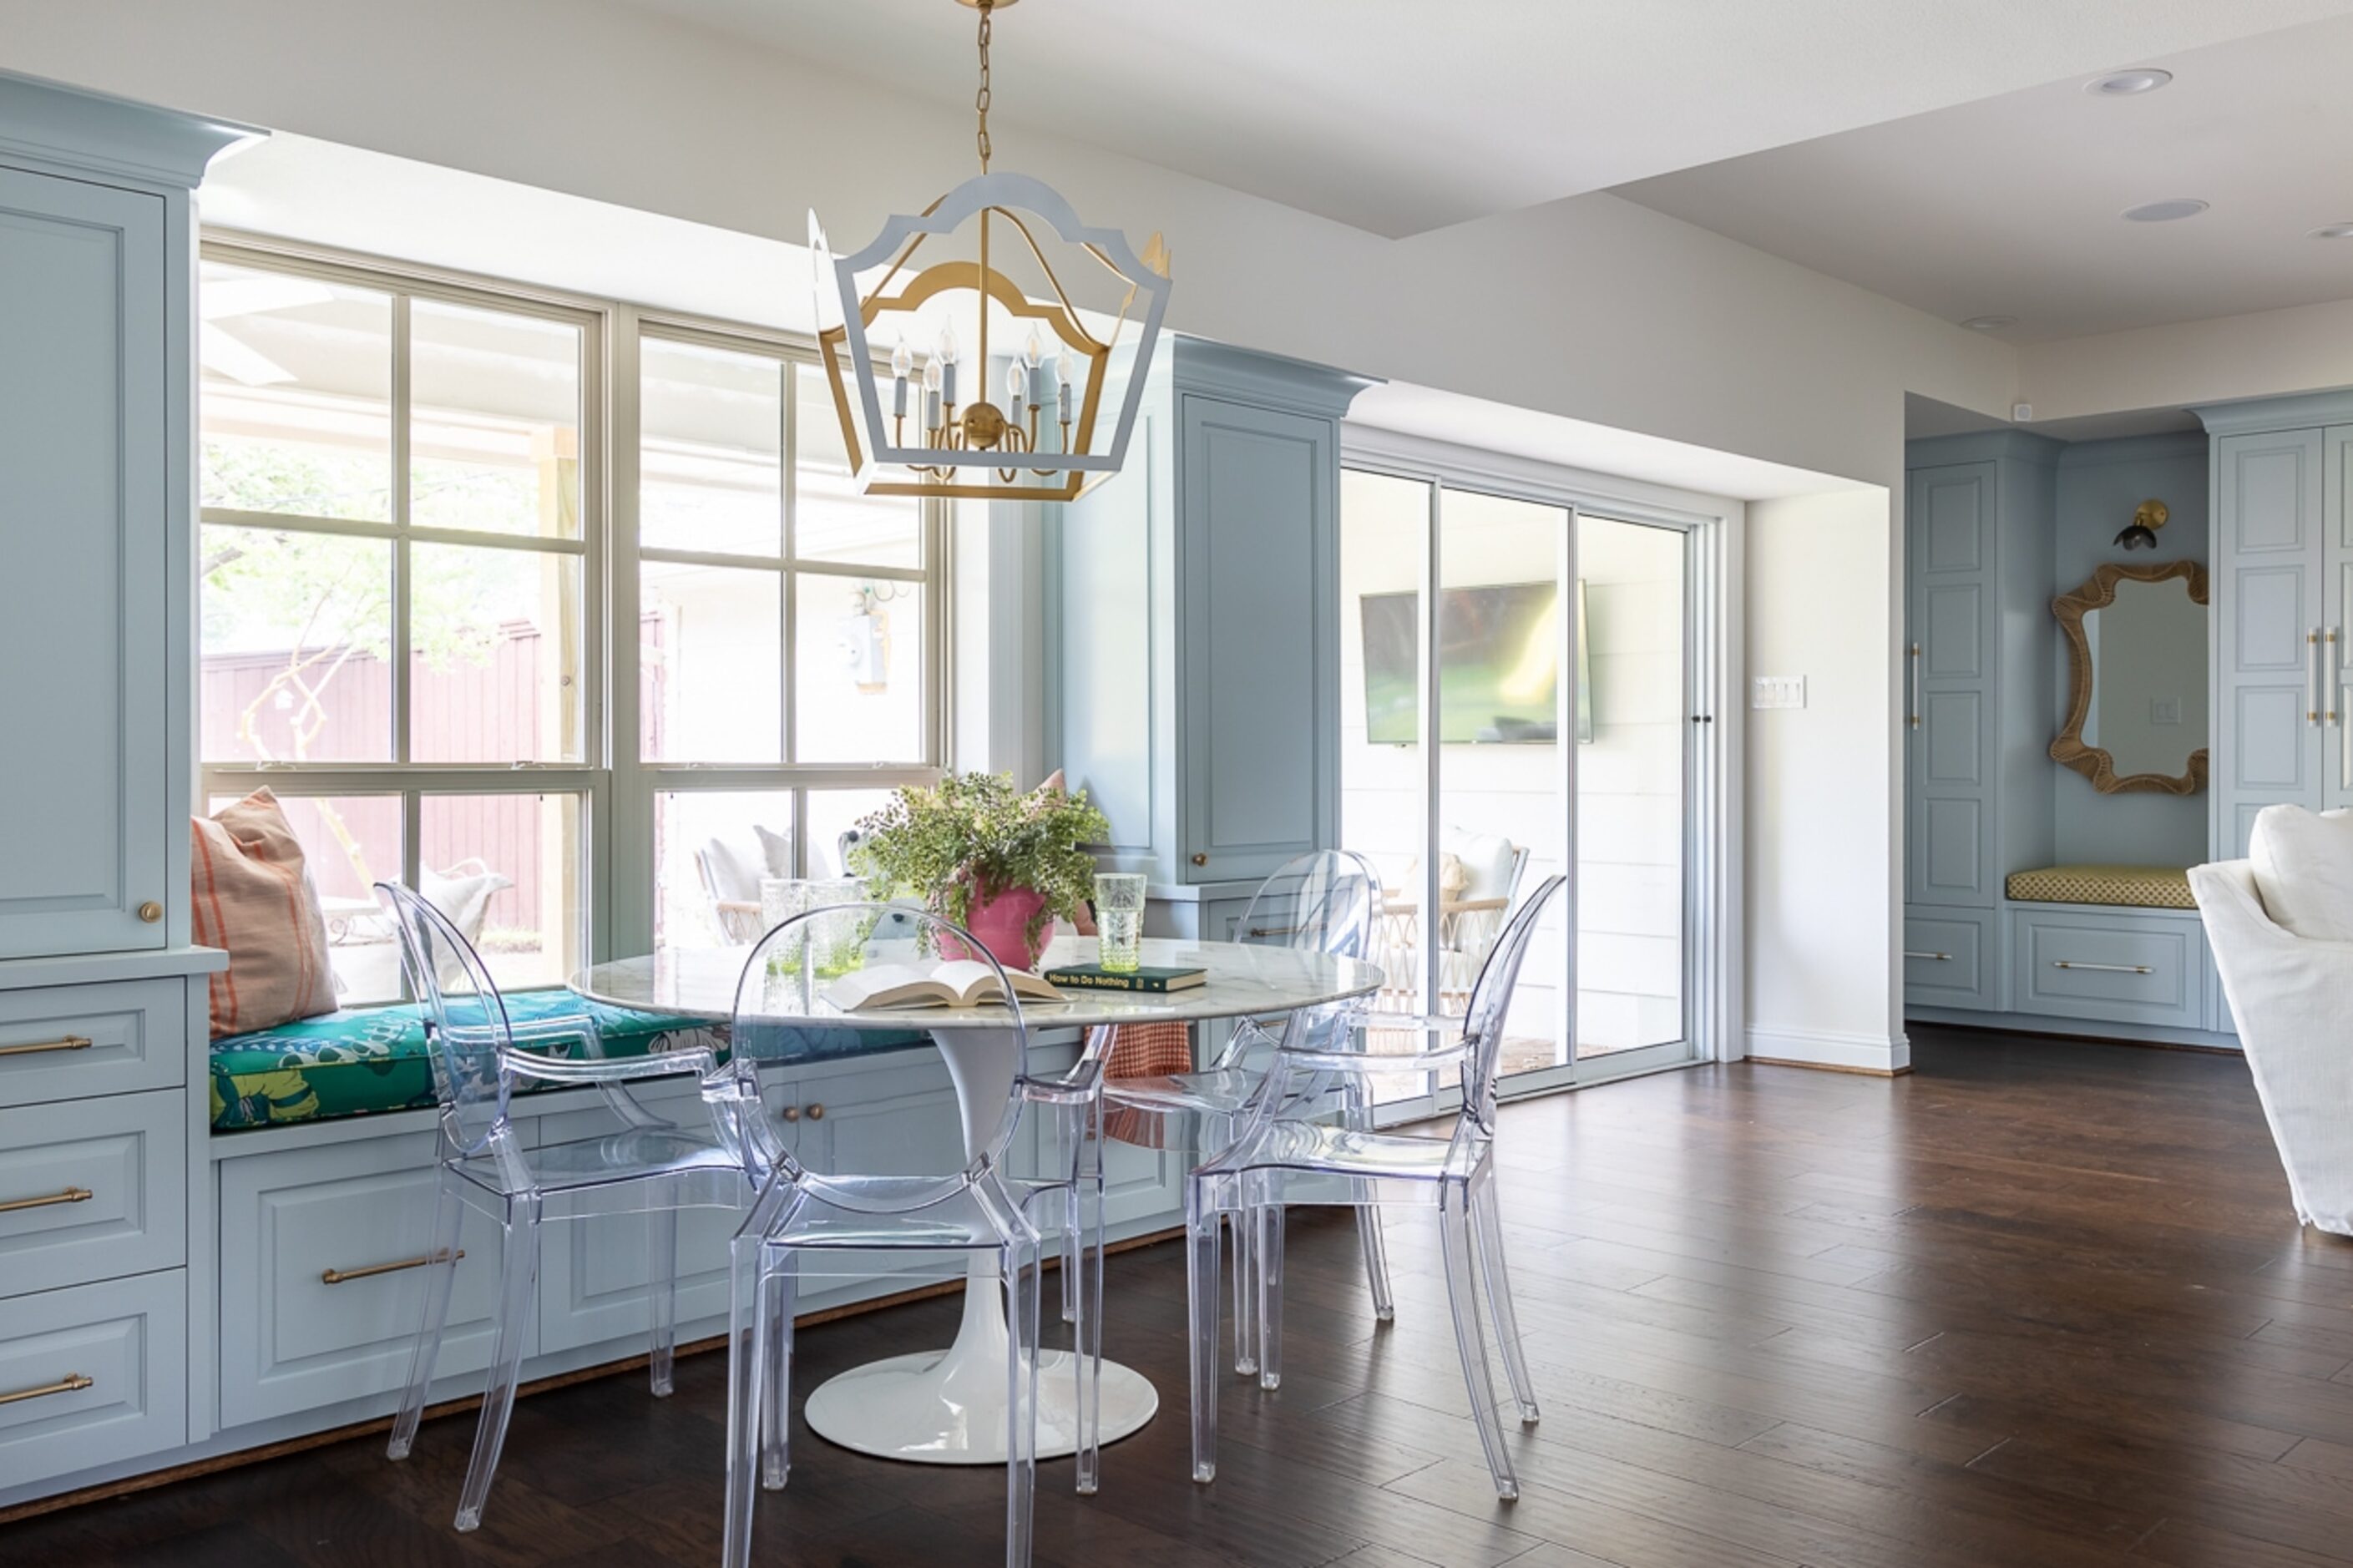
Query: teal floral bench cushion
359	1060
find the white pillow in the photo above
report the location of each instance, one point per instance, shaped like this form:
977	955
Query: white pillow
736	866
2304	870
462	894
1486	858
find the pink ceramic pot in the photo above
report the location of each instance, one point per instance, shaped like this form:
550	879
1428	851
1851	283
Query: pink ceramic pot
1001	924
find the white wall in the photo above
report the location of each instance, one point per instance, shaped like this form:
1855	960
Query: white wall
1822	981
2265	353
1594	307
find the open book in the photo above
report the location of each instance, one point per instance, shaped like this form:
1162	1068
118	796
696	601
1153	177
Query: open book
965	984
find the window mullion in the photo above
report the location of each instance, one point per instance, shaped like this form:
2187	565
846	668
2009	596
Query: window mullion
401	582
788	614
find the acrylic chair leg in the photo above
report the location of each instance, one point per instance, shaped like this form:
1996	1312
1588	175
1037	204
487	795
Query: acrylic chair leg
1202	1224
1368	1218
518	1290
744	1377
661	1292
1074	1236
780	1299
1022	1266
431	1315
1245	1296
1269	1264
1456	1233
1487	1217
1087	1341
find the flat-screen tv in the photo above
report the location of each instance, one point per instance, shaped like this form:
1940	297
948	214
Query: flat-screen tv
1498	666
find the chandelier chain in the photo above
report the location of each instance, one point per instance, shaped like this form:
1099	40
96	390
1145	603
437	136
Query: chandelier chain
980	99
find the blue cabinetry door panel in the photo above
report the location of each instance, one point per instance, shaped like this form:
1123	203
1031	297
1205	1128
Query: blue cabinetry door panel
1950	958
1256	501
82	551
2112	965
2270	646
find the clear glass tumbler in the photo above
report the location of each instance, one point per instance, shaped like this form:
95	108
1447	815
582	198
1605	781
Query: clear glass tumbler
840	939
1119	918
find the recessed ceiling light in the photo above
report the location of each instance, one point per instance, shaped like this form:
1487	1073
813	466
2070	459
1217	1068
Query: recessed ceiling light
2167	211
2334	231
1989	324
2124	84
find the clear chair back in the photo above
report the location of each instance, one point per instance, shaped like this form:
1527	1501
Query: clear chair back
790	990
464	1016
1323	902
1491	1004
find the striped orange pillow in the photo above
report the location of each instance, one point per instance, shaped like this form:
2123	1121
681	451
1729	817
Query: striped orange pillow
256	902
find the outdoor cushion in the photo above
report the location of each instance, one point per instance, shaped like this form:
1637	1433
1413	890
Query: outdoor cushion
359	1060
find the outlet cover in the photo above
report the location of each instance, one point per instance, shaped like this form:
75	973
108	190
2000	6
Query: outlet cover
1778	691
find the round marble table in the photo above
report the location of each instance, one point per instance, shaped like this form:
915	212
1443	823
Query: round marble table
948	1406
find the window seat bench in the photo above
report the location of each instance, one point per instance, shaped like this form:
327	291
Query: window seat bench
2119	887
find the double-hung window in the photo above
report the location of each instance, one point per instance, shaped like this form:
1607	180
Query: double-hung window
400	554
788	641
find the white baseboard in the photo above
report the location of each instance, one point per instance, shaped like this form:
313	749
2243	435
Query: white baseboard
1831	1049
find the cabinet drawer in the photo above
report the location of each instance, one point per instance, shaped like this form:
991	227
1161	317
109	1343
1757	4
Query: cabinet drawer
2120	968
92	1189
1950	959
69	1042
106	1367
291	1339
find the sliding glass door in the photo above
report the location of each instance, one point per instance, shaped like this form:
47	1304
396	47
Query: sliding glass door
1518	691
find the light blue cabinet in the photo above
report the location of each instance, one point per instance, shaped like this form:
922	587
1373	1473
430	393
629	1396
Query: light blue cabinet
1192	649
1979	708
83	531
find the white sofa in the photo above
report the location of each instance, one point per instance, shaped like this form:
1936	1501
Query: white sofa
2292	998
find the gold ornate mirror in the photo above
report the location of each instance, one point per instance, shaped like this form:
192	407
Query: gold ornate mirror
2137	657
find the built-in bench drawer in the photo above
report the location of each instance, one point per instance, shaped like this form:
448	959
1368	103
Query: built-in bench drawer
92	1189
93	1375
1950	959
69	1042
2112	966
321	1253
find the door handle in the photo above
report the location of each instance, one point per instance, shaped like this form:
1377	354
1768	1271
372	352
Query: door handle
2312	676
2103	968
1939	957
1915	686
2329	678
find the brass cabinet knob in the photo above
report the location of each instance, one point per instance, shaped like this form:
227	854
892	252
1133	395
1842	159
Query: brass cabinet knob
151	912
792	1113
817	1112
1200	859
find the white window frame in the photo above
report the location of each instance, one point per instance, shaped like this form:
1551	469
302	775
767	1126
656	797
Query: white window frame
615	786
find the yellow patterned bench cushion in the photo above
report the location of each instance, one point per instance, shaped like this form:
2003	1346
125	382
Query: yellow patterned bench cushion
2134	887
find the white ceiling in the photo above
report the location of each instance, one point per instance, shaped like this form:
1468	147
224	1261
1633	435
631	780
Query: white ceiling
2010	207
1399	117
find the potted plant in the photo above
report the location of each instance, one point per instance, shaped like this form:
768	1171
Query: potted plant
1002	863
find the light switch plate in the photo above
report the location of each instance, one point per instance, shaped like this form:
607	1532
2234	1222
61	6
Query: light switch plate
1778	691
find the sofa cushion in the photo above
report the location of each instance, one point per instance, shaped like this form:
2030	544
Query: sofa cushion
2129	887
2304	870
360	1060
1486	862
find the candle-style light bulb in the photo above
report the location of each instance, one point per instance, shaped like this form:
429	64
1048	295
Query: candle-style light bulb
931	394
946	359
1033	355
902	361
1016	385
1068	370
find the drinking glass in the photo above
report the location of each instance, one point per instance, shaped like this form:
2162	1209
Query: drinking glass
1119	918
782	897
840	938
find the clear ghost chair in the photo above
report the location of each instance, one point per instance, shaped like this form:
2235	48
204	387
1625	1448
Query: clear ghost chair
1286	1153
1327	902
802	1215
650	1167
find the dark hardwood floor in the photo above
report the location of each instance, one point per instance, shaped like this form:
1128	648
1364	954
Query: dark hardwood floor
2038	1303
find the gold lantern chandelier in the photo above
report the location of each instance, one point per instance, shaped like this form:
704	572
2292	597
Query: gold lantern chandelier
936	428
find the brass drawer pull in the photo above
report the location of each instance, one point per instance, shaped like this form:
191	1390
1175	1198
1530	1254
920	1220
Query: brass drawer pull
337	1275
71	1043
71	1196
71	1383
1939	957
2103	968
817	1113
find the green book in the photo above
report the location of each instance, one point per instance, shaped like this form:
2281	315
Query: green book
1095	977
